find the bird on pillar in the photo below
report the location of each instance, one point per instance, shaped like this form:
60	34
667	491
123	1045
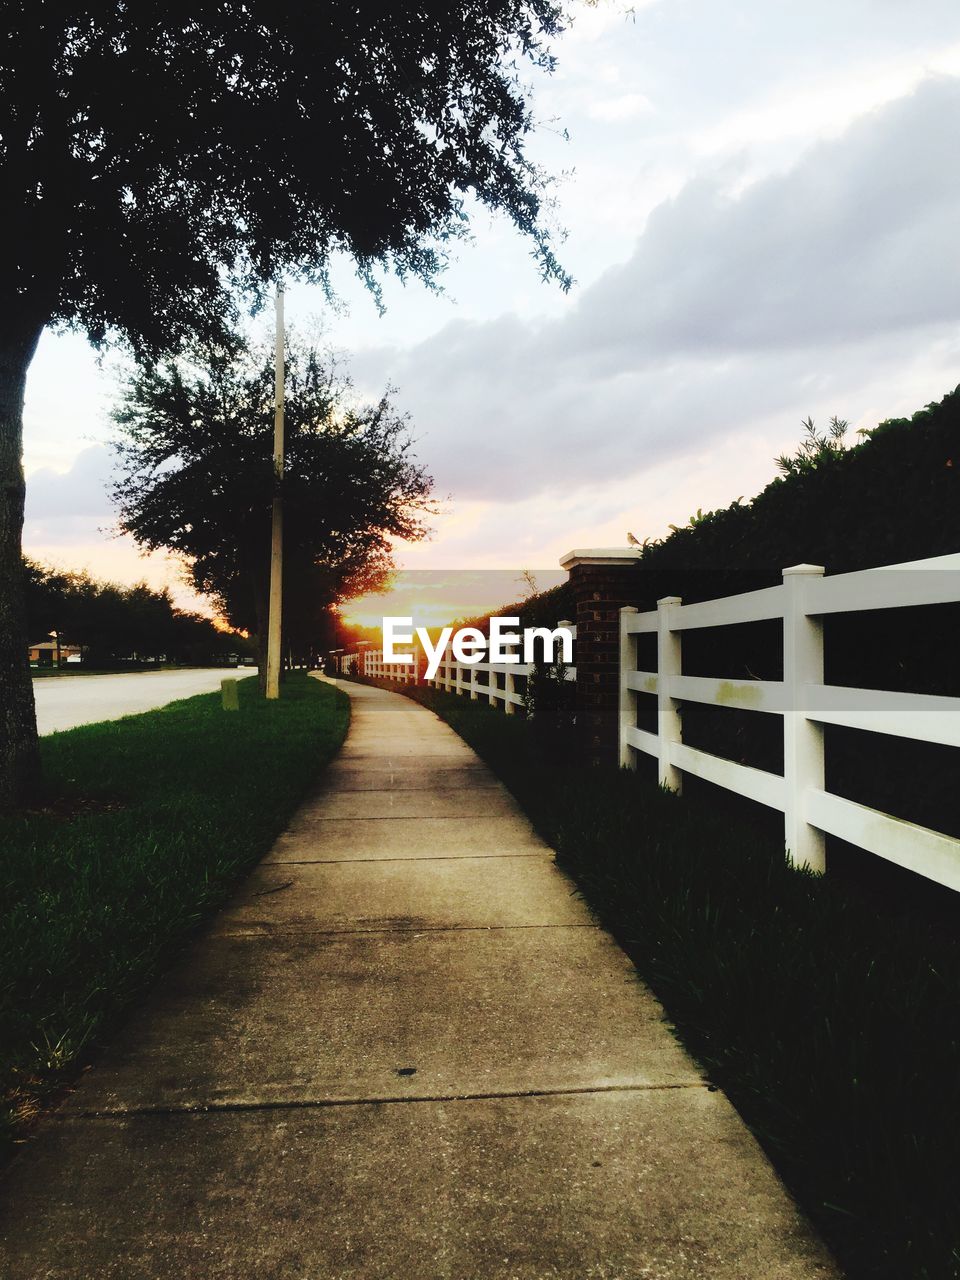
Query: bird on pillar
633	541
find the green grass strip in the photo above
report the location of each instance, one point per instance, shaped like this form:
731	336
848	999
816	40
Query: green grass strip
152	820
832	1025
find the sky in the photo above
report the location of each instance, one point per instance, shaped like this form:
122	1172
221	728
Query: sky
761	204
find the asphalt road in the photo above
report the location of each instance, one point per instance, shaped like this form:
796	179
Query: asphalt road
63	702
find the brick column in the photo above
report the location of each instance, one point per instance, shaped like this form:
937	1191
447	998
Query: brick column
603	581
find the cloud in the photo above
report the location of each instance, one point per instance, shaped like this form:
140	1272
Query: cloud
814	290
857	238
624	107
64	504
69	524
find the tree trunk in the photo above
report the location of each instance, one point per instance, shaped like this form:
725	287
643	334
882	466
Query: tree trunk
19	755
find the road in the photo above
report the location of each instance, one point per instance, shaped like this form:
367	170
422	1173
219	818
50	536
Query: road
63	702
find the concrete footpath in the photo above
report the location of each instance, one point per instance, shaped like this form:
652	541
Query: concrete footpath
404	1051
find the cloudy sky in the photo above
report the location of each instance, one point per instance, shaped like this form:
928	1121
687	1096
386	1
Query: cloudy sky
763	204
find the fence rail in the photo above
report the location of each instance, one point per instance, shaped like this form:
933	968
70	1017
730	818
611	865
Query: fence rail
803	701
375	668
502	684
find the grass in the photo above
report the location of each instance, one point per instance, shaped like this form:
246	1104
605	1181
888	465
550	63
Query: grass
139	669
78	669
150	822
832	1024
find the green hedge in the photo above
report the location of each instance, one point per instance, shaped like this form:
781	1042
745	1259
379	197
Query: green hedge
893	497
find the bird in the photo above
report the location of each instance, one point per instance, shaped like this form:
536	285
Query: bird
633	541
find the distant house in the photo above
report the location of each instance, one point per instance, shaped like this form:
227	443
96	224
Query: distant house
45	653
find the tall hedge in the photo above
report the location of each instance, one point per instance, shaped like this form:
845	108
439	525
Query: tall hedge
893	497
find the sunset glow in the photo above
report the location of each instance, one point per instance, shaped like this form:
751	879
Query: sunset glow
435	598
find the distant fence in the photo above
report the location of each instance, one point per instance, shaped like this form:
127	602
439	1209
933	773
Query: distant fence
803	701
801	698
501	684
370	663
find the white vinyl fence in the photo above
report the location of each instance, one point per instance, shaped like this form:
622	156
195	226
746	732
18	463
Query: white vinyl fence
805	703
502	684
375	668
801	698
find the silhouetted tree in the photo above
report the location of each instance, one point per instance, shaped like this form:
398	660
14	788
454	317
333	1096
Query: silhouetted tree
114	624
155	157
197	479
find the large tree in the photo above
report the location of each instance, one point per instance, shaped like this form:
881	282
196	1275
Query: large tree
157	157
197	478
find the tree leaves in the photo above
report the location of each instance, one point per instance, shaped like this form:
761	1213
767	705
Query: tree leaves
196	477
155	157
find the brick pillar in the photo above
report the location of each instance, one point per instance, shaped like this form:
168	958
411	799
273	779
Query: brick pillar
603	580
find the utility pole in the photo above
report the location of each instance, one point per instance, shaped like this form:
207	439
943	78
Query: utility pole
276	538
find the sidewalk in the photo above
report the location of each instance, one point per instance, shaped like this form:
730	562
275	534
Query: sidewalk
404	1052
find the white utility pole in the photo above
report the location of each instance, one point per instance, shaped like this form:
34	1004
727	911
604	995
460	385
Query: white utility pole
276	540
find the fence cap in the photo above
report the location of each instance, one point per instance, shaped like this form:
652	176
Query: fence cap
798	570
601	556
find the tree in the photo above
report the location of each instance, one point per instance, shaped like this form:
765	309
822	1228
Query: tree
44	591
154	158
114	624
197	478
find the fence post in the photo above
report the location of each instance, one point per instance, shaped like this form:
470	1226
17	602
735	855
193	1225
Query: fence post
628	663
567	625
508	690
509	687
802	738
669	664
